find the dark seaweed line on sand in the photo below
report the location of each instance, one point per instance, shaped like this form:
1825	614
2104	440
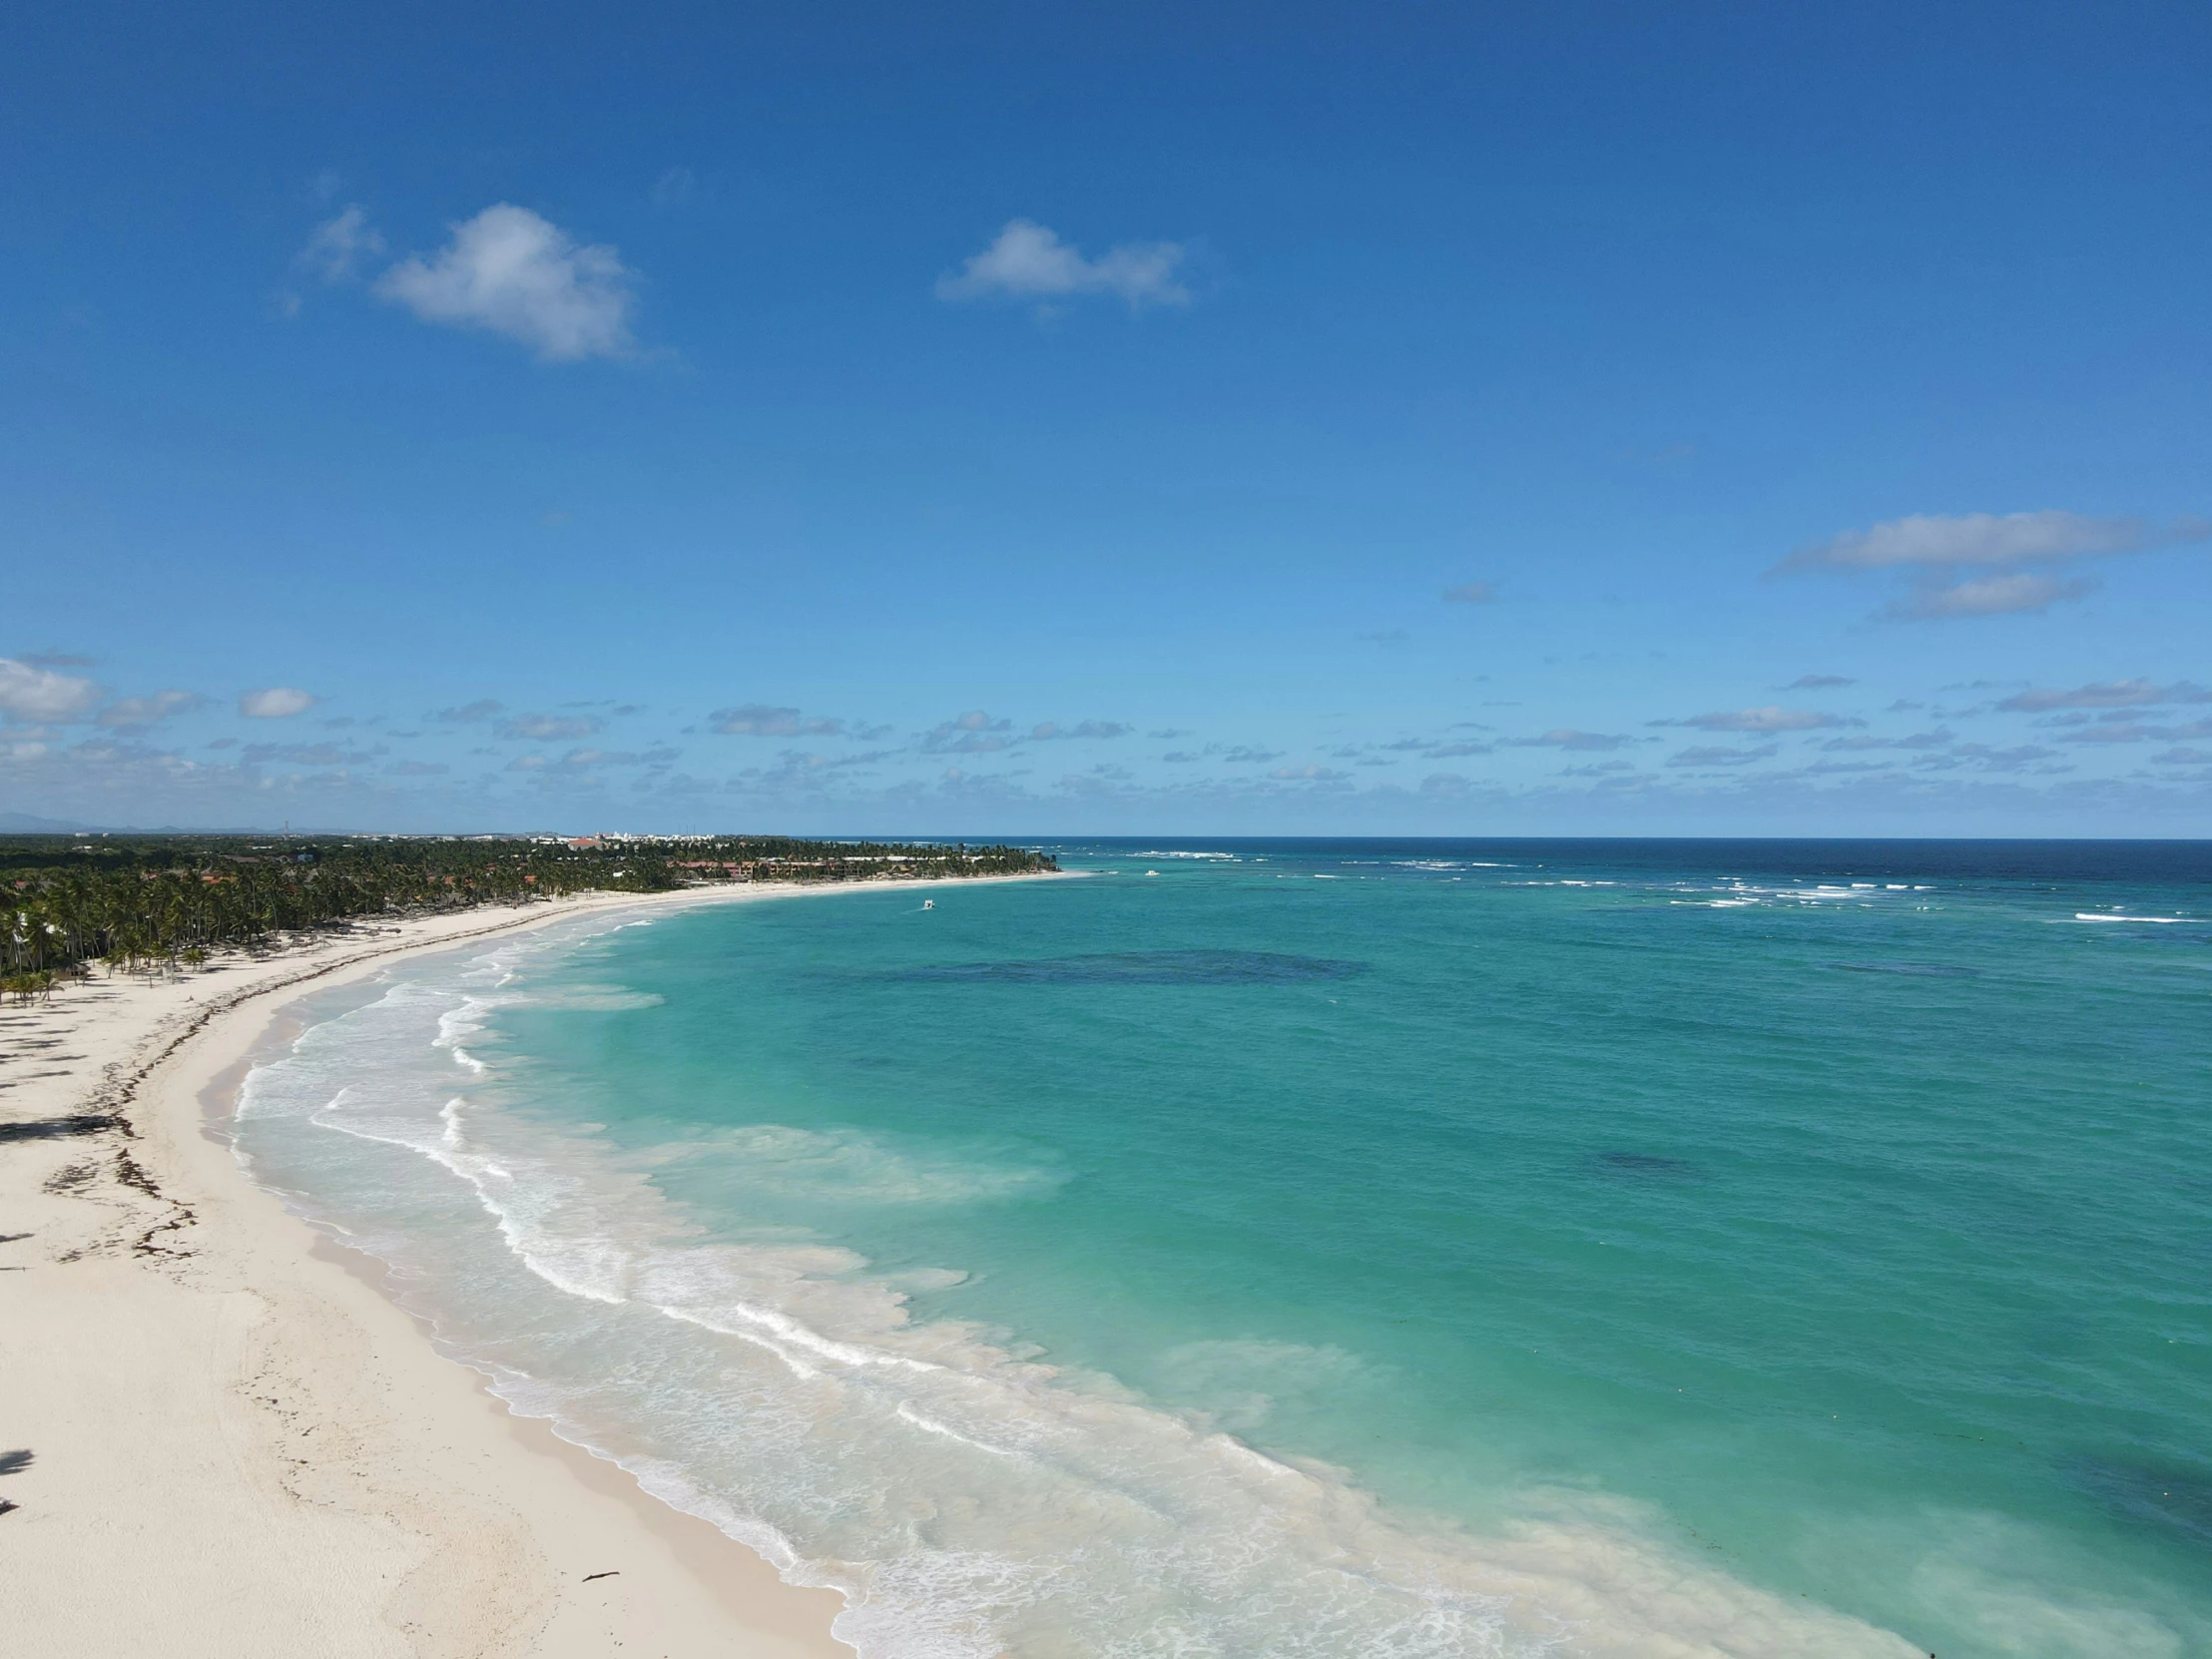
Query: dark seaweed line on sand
121	1086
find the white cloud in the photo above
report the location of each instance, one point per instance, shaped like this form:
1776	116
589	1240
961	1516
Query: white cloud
339	245
1029	262
1944	541
2021	593
31	694
517	274
483	709
1819	682
1472	593
276	703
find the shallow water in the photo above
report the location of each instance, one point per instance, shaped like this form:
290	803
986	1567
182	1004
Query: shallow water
1359	1248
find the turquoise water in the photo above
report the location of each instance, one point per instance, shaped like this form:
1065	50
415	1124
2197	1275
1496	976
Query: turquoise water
1288	1249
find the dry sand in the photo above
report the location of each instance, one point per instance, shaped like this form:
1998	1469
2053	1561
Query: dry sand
218	1437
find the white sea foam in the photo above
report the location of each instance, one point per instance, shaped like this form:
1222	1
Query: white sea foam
774	1160
597	999
2157	921
964	1500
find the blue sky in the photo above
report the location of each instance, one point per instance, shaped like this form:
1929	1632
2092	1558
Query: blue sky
1039	419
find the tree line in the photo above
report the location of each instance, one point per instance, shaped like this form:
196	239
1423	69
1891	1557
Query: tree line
152	903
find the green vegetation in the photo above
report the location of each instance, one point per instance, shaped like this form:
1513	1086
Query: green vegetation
145	903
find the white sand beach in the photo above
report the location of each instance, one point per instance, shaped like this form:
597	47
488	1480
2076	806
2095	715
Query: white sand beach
218	1437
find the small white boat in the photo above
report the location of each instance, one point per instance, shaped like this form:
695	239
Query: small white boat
929	904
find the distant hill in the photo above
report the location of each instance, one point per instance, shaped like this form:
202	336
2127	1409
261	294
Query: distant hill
23	824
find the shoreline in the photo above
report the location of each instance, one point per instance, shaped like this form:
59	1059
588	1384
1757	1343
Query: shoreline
226	1398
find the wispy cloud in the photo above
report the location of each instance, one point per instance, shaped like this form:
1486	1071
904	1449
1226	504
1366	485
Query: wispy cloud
1981	756
764	720
1936	550
1437	749
1935	738
972	732
1031	262
675	187
584	759
1472	593
2126	730
1943	542
548	727
337	247
2110	694
1772	718
1566	737
276	703
2020	594
512	272
1819	682
306	754
796	767
136	711
1046	730
483	709
1711	756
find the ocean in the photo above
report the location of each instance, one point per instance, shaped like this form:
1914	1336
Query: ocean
1355	1247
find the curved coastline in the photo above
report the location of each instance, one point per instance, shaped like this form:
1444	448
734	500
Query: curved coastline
232	1439
1589	1564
